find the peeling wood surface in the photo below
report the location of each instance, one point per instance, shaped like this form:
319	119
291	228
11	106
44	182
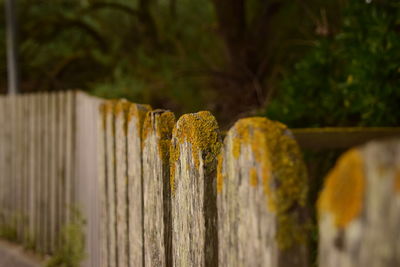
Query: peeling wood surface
359	208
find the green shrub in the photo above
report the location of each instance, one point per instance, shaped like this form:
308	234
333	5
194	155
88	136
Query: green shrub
72	249
350	79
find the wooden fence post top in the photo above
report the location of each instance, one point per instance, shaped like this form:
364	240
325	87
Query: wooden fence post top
138	111
130	110
276	165
107	106
121	106
359	208
202	132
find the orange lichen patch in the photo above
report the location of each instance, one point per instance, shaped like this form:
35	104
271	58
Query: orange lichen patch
344	189
397	182
160	122
283	172
253	177
220	174
201	131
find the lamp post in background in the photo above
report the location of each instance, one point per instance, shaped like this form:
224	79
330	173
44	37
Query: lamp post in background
12	55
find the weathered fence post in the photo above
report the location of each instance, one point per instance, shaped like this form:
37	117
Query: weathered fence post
121	180
70	122
134	121
123	183
38	168
194	149
86	172
157	131
61	118
103	186
3	156
17	158
32	168
262	191
52	160
110	181
359	208
28	144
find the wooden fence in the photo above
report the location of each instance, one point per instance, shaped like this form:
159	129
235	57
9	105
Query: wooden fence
154	190
48	164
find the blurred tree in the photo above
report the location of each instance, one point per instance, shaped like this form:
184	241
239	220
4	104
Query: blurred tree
225	56
262	39
351	79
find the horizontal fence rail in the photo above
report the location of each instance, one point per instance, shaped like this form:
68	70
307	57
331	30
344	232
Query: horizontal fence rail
92	182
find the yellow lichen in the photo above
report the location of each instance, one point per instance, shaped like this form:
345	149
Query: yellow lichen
344	188
220	174
137	111
201	131
162	122
283	172
121	106
253	177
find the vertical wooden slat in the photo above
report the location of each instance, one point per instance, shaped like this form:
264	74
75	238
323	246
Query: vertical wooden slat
62	165
120	112
11	176
3	172
20	176
57	170
359	208
32	140
45	227
25	168
157	133
262	190
18	156
110	151
136	115
103	188
69	154
86	173
39	139
194	148
52	161
9	163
